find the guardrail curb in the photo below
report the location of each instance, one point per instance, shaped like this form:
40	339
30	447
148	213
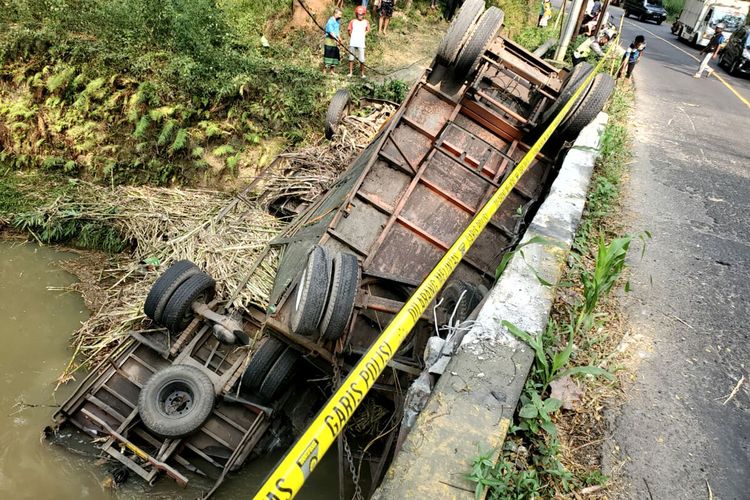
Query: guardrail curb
473	402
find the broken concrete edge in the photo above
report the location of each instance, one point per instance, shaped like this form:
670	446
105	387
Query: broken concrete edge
472	405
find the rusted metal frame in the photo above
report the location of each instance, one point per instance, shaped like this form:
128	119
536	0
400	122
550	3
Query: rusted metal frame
187	334
203	455
281	329
130	464
484	95
505	155
503	168
437	93
249	440
168	448
170	471
513	69
442	245
95	379
515	57
394	163
117	395
354	246
105	407
141	362
388	210
228	420
126	376
397	210
216	438
390	277
211	357
155	443
400	151
390	127
381	304
475	111
518	51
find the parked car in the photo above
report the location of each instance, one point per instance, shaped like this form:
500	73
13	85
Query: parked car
736	55
646	10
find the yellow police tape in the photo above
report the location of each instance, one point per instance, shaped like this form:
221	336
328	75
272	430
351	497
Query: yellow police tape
294	469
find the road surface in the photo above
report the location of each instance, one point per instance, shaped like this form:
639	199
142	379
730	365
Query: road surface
690	187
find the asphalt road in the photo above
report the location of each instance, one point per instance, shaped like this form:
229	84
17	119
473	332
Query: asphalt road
689	187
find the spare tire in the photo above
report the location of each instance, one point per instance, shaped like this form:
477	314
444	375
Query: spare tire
593	102
261	362
487	28
178	312
163	288
280	373
576	77
312	292
459	30
176	401
336	111
344	282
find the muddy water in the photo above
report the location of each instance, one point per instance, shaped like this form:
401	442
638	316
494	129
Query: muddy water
35	326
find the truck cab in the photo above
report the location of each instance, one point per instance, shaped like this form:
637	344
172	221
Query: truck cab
699	18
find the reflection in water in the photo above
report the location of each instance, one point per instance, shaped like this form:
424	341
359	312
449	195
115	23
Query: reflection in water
35	329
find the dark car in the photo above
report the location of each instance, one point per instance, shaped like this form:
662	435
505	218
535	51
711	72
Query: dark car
646	10
736	55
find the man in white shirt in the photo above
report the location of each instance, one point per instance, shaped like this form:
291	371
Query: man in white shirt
358	29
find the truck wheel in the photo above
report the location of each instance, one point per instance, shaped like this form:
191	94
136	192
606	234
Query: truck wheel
279	374
312	292
178	313
733	69
459	30
163	288
336	111
471	53
658	23
449	302
344	282
590	106
176	401
261	362
576	77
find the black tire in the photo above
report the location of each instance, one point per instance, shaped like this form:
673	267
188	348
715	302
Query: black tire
590	106
576	77
733	69
344	283
449	301
163	288
488	27
658	23
336	111
261	363
312	292
627	14
459	30
176	401
178	313
279	375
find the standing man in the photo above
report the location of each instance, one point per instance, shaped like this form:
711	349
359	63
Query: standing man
358	29
711	50
331	54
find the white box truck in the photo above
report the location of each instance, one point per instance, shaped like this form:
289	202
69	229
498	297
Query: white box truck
699	17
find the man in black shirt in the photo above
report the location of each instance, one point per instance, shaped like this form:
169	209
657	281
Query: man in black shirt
711	50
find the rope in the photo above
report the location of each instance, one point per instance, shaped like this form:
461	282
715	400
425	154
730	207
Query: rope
321	28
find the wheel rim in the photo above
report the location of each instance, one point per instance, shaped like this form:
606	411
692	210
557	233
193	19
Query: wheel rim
176	399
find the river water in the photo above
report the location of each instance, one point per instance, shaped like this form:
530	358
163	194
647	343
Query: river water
35	329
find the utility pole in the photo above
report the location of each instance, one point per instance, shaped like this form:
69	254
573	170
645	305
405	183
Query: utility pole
567	32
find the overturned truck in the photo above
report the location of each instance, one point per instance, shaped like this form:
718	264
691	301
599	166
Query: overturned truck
216	387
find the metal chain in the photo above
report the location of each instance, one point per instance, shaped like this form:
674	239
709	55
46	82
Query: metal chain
347	449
